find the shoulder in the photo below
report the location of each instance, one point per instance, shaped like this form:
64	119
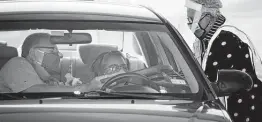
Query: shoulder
17	63
231	31
18	74
227	34
17	60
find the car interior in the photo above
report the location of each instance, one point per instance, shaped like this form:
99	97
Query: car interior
78	59
79	66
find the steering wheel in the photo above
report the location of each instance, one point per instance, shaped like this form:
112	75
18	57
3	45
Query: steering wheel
143	81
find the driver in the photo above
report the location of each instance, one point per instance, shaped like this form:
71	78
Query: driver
113	63
109	64
31	72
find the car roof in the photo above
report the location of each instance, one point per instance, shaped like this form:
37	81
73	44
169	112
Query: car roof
74	10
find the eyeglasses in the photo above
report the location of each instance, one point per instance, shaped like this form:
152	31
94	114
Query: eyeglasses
46	49
114	68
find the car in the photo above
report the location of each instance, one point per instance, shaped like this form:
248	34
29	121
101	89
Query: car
164	82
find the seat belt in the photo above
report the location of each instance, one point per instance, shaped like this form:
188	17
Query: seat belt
71	69
72	66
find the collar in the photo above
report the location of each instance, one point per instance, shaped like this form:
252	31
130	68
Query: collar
218	23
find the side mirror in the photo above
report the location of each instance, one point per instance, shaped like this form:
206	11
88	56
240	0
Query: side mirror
231	81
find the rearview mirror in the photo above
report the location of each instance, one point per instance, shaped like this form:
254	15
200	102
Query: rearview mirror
71	38
231	81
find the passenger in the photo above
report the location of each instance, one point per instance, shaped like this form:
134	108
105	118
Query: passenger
32	72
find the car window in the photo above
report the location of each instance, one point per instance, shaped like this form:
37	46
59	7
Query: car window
146	49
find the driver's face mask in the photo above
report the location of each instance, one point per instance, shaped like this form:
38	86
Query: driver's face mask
48	58
110	63
114	69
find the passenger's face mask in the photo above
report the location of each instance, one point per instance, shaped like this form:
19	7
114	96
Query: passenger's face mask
50	60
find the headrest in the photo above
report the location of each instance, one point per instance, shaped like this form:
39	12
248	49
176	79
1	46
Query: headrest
8	52
90	52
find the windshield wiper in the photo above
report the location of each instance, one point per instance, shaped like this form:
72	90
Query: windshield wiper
97	95
123	95
7	96
120	95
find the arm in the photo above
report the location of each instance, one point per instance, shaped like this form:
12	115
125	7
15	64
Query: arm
52	88
94	85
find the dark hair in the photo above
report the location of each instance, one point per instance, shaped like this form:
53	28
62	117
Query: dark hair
30	41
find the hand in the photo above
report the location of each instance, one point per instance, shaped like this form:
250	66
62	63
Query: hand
94	85
76	81
72	81
52	81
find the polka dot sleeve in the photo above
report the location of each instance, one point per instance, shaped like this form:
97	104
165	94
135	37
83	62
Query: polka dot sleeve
228	52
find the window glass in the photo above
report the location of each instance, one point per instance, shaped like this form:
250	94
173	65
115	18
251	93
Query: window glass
141	49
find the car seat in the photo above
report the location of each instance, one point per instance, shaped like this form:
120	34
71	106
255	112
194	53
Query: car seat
6	53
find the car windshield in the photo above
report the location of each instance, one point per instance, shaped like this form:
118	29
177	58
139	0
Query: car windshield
124	57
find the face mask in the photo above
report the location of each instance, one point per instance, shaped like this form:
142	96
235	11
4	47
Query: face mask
50	61
114	69
100	68
200	26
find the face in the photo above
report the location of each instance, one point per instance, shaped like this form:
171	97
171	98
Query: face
204	24
46	55
113	64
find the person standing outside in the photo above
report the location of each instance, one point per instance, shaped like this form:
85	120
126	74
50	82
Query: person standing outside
220	46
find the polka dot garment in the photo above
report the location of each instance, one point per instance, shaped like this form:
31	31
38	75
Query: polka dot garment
229	52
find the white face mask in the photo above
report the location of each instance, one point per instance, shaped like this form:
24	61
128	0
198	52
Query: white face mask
37	56
50	61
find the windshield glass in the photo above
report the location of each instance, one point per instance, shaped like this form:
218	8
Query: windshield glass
123	57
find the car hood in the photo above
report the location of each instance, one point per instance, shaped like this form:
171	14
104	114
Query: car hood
112	110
